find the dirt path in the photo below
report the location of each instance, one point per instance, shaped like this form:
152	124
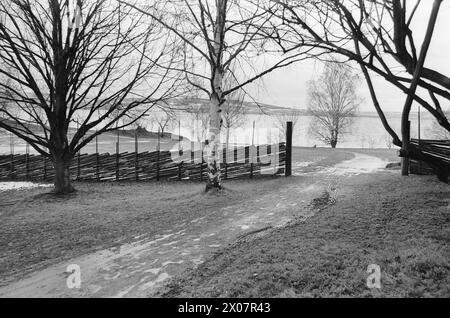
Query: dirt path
141	268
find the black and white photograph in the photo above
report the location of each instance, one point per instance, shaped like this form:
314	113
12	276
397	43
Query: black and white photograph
226	156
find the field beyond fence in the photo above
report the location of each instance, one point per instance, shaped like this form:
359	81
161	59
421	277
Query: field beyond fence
239	162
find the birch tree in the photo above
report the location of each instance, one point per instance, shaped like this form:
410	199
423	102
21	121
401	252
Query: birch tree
333	102
216	35
79	67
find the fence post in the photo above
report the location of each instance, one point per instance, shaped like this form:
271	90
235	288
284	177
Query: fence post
117	161
250	151
136	156
225	160
158	155
288	169
117	151
180	151
12	167
418	136
201	162
97	159
27	162
45	169
11	146
78	166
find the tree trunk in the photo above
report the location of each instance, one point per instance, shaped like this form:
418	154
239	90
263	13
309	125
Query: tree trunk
62	176
214	177
405	127
405	148
216	100
334	139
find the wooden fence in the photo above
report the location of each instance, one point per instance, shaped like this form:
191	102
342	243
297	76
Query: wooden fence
438	150
246	162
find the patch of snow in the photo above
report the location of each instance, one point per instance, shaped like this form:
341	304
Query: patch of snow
124	292
302	164
12	185
360	164
154	271
161	278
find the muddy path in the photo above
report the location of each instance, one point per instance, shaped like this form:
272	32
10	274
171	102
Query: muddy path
140	269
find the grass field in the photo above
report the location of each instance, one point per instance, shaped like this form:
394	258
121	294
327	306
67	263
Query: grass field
40	229
328	156
400	224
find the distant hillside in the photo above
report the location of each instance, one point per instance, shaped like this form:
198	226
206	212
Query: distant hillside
251	107
141	132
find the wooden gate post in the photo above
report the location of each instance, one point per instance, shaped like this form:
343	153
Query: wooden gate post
288	170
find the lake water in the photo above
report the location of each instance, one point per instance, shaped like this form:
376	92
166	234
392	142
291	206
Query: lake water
366	132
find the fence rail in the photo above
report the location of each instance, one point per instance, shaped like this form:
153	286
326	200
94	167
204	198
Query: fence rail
439	150
158	165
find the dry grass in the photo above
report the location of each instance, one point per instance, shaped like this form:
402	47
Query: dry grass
38	229
401	224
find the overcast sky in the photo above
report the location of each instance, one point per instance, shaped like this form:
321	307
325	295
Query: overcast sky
288	86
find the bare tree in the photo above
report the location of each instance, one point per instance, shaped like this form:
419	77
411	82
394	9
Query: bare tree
217	34
76	63
164	119
333	102
281	119
377	35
